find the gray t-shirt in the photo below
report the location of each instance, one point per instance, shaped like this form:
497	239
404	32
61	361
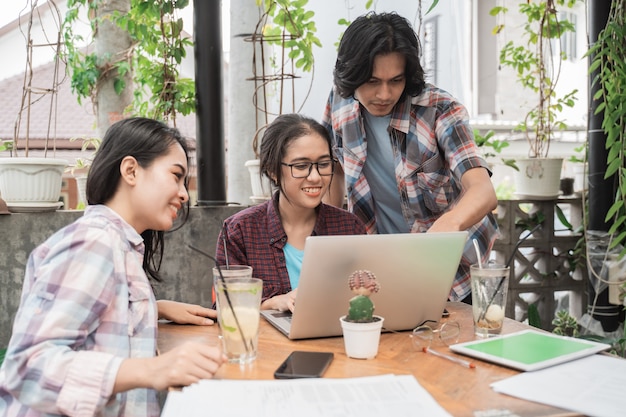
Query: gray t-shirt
380	175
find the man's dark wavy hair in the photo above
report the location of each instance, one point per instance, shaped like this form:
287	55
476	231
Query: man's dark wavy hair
377	34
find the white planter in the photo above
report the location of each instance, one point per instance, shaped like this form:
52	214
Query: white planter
31	184
580	177
81	188
538	177
261	190
361	339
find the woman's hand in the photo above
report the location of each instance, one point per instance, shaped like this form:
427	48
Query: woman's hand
179	367
183	313
186	364
281	302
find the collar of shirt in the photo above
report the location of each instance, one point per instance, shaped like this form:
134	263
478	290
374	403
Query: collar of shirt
129	232
277	233
275	228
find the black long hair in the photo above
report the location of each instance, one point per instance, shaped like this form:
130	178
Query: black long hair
145	140
371	35
278	135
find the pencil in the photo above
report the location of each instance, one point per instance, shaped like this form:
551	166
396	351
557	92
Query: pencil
450	358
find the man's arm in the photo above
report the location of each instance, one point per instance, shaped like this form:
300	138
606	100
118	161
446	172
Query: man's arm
337	190
478	199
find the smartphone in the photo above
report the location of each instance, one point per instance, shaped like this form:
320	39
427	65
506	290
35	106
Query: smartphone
303	364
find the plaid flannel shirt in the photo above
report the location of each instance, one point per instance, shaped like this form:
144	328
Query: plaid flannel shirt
433	147
255	237
86	305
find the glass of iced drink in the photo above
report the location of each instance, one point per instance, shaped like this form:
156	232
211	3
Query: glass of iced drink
238	301
489	291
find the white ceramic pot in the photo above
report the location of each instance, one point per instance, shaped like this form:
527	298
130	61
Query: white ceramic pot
31	184
81	188
538	177
361	339
261	190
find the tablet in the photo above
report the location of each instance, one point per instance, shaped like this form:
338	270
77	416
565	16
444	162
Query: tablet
529	350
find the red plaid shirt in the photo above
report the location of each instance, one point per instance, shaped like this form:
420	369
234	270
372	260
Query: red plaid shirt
255	237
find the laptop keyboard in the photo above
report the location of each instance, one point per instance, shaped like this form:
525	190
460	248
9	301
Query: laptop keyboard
286	315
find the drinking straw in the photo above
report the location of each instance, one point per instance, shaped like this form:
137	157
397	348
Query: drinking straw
480	264
224	237
230	304
508	264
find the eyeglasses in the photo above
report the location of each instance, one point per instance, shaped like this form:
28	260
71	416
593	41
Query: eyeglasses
448	333
303	169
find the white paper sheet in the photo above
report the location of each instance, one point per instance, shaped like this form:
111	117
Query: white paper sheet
593	386
391	395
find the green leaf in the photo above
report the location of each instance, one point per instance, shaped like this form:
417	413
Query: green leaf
561	216
432	6
118	86
498	9
618	241
594	65
617	205
612	168
617	224
534	318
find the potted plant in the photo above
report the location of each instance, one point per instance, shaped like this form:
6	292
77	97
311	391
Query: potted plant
30	183
492	147
361	328
80	170
538	71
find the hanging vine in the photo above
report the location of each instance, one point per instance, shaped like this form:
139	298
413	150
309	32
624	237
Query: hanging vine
608	59
154	58
538	70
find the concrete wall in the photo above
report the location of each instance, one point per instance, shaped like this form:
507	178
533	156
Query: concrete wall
186	274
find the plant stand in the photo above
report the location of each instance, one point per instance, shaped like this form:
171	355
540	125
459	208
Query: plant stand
361	339
545	271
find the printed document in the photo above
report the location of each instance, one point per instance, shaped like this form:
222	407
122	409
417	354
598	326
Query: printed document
385	395
593	386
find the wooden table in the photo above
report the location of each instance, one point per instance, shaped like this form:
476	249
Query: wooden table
461	391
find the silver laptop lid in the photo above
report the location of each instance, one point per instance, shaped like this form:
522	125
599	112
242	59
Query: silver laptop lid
415	272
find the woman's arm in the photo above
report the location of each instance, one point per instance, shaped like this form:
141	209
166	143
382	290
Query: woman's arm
183	313
180	367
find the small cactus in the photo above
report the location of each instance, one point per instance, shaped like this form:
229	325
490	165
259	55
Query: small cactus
363	284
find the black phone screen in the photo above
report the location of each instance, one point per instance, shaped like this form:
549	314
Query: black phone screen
302	364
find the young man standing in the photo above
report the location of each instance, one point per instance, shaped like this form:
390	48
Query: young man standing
408	160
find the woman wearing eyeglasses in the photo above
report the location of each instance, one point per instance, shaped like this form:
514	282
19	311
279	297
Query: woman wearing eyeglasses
296	155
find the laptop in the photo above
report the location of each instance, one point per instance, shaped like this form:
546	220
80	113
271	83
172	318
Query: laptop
415	272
